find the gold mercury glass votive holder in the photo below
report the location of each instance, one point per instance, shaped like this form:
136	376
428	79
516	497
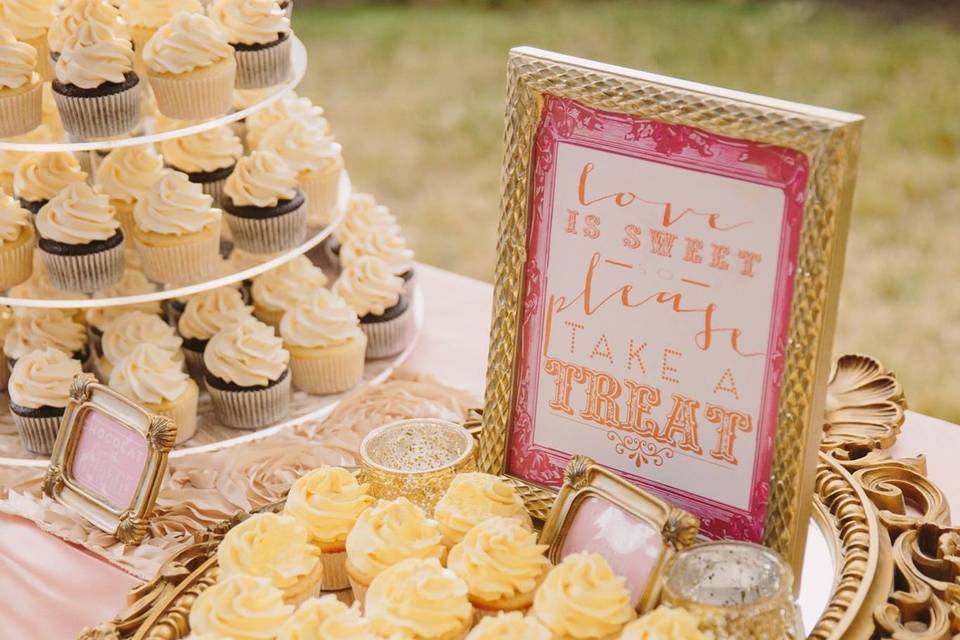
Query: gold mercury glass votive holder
416	459
738	590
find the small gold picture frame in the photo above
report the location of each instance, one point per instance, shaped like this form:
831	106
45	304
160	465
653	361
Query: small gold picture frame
636	532
109	459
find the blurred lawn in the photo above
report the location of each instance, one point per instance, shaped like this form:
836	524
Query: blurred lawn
416	95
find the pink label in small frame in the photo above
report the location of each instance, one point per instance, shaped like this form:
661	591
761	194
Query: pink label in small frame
109	459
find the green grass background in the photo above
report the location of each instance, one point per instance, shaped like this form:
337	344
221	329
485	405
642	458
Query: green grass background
416	95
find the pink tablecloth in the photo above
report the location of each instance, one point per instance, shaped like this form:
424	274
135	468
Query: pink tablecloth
50	589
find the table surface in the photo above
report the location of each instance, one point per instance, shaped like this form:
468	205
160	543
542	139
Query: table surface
50	589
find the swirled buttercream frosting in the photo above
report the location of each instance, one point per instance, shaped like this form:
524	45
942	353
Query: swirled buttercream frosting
418	599
582	598
208	312
369	286
250	21
509	626
303	146
207	151
10	159
40	176
320	320
261	179
326	618
246	353
122	335
154	13
17	61
283	287
288	108
77	215
384	243
328	501
92	56
149	375
665	623
189	41
363	217
77	12
175	206
241	607
389	532
271	546
41	328
129	172
132	283
14	219
42	378
28	19
472	498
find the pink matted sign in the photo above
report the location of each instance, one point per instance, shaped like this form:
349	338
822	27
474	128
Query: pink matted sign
109	459
659	277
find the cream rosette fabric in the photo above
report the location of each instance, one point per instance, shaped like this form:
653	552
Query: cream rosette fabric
77	215
282	288
472	498
665	623
369	286
288	108
122	335
328	501
582	598
500	560
509	626
174	206
42	378
242	608
247	354
132	283
77	12
35	329
149	375
250	21
41	176
210	311
326	618
419	599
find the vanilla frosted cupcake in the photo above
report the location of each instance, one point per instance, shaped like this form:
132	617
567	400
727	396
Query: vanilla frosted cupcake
150	376
583	598
376	294
328	501
6	324
122	335
665	623
208	158
240	608
81	241
259	32
125	175
326	618
363	217
132	283
325	342
21	92
30	20
276	547
16	243
385	534
263	205
145	17
247	375
286	108
95	87
37	329
204	315
419	599
472	498
501	563
191	68
509	626
77	12
40	176
39	389
10	159
177	231
282	288
387	244
316	158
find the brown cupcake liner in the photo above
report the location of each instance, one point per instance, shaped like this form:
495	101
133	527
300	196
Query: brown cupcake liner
37	434
195	365
100	116
251	409
21	111
95	340
335	576
207	93
87	272
266	67
335	370
16	262
322	190
4	374
195	258
390	337
268	235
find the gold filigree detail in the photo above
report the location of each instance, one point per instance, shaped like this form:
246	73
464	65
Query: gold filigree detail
864	406
131	529
576	472
162	433
681	529
53	480
80	388
105	631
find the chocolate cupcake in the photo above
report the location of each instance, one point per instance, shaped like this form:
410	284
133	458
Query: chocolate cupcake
39	389
81	241
208	158
247	375
376	294
263	206
38	177
77	12
259	33
39	329
204	315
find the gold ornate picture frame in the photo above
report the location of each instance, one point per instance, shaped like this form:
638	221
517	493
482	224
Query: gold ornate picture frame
807	153
109	459
637	533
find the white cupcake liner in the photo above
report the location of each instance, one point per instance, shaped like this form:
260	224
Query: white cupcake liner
100	116
334	370
195	95
21	111
390	337
268	235
16	262
266	67
335	576
37	434
322	190
288	9
251	409
359	592
184	263
86	272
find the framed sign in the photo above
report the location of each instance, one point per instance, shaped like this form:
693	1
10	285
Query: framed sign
599	512
669	265
109	459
